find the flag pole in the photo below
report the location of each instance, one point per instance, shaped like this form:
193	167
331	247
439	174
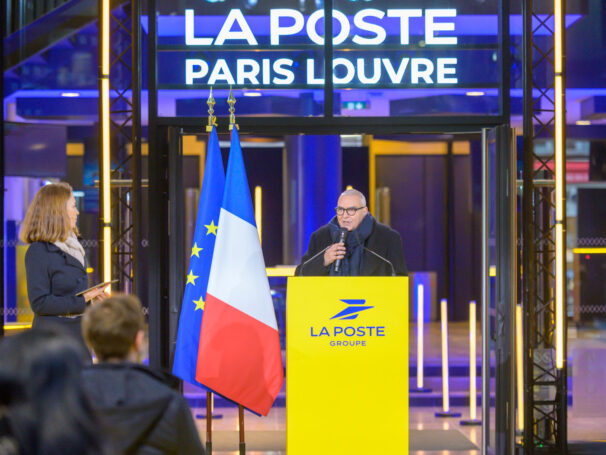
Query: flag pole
209	423
232	117
241	429
232	124
212	122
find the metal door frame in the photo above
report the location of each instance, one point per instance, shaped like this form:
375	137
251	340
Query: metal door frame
166	233
499	333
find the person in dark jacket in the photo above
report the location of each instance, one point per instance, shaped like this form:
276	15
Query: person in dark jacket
370	248
43	407
140	413
55	263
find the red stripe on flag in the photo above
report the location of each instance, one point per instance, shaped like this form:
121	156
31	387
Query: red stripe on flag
239	357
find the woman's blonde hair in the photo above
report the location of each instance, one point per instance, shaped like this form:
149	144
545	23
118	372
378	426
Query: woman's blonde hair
46	219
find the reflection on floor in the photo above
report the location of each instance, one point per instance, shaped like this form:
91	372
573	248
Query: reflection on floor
266	435
225	434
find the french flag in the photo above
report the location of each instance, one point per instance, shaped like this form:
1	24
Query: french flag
239	355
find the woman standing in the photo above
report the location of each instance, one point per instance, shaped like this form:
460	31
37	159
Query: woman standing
55	263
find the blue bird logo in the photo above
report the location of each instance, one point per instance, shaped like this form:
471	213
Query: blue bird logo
354	308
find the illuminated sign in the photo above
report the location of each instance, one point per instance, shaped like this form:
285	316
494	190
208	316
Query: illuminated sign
358	65
355	105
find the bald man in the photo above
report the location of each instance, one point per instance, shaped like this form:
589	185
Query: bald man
370	248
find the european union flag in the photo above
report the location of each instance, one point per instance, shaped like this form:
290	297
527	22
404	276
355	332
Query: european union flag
240	344
192	308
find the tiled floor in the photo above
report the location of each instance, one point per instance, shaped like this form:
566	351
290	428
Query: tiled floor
420	419
580	427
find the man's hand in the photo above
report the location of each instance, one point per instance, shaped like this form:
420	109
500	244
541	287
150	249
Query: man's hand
336	251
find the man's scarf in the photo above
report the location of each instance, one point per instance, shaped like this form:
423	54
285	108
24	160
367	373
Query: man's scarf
352	263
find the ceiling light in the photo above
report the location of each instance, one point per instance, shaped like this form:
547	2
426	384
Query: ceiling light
583	122
475	93
252	93
70	94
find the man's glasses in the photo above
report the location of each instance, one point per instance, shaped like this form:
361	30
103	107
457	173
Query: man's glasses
351	211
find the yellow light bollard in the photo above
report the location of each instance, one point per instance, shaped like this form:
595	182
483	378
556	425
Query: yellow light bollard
473	405
446	412
519	370
420	341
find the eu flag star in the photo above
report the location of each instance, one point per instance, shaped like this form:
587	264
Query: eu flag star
195	251
191	278
211	228
199	304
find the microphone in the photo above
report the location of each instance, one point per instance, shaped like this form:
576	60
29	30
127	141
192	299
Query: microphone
342	237
393	270
311	259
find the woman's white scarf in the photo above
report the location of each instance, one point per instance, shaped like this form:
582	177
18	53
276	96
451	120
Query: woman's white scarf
72	247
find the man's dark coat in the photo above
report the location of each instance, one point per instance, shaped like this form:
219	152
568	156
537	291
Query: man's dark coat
383	240
140	413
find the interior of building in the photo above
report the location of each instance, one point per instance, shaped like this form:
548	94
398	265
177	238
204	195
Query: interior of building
442	159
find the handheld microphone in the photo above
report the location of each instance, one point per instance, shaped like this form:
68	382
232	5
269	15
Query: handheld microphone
342	237
393	270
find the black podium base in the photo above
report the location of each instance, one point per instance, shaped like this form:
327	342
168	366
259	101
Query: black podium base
448	414
214	416
423	390
470	422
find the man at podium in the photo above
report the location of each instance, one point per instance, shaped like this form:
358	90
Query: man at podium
353	243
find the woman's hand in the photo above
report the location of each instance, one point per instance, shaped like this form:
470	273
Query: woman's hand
95	295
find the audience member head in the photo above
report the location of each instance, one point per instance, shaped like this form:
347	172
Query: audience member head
114	328
52	215
47	411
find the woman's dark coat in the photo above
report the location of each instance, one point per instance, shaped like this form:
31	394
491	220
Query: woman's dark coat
53	280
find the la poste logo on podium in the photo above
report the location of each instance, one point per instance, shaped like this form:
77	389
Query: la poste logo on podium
349	335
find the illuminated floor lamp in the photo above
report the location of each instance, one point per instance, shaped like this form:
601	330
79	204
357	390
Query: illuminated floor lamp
519	371
446	412
420	297
472	368
105	138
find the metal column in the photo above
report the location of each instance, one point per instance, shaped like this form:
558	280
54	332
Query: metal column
485	296
124	141
545	384
2	308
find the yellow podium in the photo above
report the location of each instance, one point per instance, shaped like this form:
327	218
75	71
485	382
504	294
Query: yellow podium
347	365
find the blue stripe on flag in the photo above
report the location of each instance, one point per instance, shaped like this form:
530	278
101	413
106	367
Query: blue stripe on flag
237	201
192	308
232	328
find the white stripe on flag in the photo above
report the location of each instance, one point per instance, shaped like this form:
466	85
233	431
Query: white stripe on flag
237	275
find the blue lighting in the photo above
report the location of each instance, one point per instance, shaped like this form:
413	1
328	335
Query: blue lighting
423	278
465	25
